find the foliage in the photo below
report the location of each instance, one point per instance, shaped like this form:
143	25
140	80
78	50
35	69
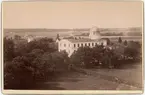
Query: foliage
125	43
45	44
130	52
104	57
17	37
87	57
82	57
27	63
135	47
133	50
134	44
8	49
18	73
20	49
60	60
108	41
119	40
35	66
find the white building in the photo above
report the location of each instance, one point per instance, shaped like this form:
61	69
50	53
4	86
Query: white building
72	44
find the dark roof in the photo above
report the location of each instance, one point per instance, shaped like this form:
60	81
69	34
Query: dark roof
83	40
83	34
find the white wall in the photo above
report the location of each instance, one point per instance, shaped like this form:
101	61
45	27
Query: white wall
69	46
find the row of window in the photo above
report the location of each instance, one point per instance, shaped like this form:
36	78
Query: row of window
81	45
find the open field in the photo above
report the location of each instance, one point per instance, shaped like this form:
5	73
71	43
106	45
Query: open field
128	78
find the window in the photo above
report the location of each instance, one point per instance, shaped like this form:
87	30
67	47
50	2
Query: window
74	45
92	44
69	45
78	45
81	45
89	44
85	44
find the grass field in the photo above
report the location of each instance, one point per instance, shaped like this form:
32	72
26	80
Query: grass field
129	78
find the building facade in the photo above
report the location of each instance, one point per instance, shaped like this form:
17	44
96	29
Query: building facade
73	43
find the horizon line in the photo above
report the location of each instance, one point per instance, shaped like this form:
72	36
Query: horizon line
77	28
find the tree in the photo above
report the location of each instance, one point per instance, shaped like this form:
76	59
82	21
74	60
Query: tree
17	37
57	37
82	57
37	52
119	40
131	52
108	41
48	64
60	60
134	44
20	48
18	73
8	49
98	52
39	61
125	43
46	44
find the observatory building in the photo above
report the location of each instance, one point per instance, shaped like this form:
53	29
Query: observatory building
71	44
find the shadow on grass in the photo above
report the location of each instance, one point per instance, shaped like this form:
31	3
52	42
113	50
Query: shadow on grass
47	86
53	82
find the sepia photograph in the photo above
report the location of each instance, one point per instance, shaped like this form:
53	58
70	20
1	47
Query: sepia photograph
72	46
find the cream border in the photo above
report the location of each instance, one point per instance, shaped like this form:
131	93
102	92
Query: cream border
73	91
70	92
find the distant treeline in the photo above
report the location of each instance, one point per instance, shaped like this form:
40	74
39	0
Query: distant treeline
134	29
104	31
36	30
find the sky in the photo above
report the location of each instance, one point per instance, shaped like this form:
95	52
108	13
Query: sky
77	14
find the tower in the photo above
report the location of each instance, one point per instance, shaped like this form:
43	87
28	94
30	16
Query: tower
94	33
